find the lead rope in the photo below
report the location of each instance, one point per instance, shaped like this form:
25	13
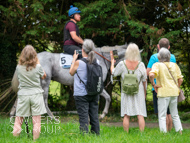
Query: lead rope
111	76
106	66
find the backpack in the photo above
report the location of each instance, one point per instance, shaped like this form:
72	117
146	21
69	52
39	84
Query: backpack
94	85
130	84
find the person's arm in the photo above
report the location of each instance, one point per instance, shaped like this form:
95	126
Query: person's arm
112	66
148	70
180	80
179	75
151	78
44	76
74	64
112	61
152	60
76	38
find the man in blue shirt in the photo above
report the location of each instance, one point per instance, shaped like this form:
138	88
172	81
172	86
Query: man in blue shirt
164	42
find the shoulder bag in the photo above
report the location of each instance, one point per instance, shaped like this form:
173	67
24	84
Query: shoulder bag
181	96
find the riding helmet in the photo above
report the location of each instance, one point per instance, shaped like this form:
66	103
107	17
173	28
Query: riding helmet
73	10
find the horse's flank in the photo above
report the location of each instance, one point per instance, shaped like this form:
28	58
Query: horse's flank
15	82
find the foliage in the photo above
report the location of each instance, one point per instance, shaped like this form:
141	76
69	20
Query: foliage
178	33
34	22
57	100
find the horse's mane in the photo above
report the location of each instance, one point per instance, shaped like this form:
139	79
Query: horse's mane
111	48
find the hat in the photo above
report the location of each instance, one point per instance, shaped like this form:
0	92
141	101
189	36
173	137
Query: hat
73	10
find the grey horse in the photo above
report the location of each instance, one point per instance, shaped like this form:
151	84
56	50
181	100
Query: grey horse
50	63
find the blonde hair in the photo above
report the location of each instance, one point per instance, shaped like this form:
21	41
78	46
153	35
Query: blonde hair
28	57
132	53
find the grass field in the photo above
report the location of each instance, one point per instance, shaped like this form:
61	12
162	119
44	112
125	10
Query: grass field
68	132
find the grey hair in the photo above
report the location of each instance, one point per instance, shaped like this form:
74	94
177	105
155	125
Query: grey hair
88	47
132	53
164	55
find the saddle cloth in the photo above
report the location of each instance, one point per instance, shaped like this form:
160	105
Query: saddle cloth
65	60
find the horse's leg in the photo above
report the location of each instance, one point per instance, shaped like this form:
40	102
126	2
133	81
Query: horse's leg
108	100
45	86
13	109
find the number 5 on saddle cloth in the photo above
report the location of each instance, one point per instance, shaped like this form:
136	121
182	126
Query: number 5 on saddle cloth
65	60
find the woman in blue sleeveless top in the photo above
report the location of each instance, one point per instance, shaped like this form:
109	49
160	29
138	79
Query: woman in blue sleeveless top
86	105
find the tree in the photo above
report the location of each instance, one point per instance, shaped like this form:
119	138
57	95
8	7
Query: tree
107	22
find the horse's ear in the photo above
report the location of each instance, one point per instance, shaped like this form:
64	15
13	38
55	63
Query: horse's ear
141	50
124	46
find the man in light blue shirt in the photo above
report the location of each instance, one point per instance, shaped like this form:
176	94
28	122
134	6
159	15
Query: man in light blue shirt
164	42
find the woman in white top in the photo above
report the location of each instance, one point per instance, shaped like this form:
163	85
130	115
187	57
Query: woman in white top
132	105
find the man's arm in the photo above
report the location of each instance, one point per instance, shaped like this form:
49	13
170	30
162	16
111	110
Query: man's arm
76	38
148	70
152	60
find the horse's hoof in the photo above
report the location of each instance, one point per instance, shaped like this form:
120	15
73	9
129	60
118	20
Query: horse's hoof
11	114
102	116
56	120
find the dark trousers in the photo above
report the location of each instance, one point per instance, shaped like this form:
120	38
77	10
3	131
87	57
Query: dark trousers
155	102
70	49
87	106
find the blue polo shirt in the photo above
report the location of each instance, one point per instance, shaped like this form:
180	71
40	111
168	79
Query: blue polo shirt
154	59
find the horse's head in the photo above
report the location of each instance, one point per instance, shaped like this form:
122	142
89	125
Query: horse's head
121	53
105	51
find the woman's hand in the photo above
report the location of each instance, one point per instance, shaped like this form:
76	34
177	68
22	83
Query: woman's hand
75	56
156	87
74	64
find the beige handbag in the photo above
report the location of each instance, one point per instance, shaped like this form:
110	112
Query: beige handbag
181	96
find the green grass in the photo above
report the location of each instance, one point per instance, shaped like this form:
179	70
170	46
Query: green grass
68	132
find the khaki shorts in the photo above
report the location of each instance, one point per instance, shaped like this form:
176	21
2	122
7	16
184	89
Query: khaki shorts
28	105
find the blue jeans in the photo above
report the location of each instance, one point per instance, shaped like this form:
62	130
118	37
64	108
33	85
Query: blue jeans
88	106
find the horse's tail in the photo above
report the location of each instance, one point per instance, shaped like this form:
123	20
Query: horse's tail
15	83
13	88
